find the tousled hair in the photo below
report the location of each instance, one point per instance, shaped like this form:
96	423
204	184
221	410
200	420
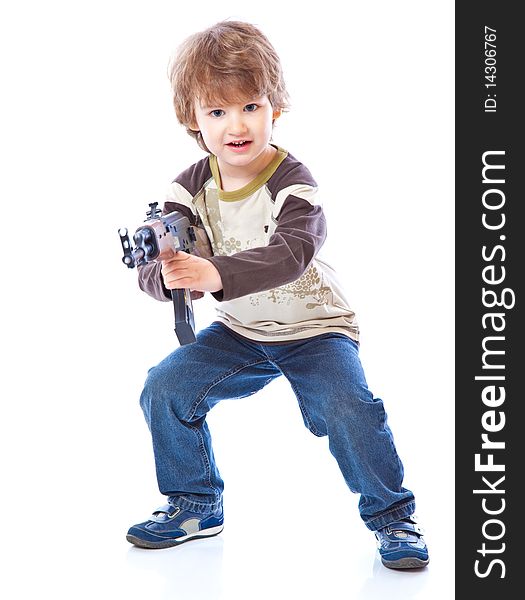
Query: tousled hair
228	62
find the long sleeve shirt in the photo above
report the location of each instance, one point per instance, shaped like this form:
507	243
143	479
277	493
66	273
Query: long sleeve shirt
265	239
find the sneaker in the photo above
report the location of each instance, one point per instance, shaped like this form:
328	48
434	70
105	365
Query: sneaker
401	545
171	525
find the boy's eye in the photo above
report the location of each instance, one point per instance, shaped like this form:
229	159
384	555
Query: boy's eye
250	107
217	112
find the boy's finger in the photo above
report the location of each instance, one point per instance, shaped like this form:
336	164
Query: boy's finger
179	255
167	254
171	256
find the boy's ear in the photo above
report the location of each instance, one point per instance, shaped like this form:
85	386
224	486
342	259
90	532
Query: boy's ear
193	126
277	113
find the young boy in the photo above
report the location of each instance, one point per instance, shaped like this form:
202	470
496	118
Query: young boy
280	309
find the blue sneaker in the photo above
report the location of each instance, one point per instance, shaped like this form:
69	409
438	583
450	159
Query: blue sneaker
401	545
171	525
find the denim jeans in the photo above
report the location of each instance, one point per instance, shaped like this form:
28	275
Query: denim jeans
328	381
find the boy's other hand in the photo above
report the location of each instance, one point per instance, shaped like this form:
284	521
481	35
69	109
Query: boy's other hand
183	270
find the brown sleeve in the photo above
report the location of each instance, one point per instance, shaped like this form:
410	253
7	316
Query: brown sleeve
150	281
299	235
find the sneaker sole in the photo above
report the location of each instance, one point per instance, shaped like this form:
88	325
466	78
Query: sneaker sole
405	563
169	543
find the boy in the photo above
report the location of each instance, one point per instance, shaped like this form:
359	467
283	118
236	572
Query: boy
280	308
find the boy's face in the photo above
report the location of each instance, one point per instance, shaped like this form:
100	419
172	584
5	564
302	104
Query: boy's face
238	133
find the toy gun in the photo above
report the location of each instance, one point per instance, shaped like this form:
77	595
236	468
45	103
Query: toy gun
159	234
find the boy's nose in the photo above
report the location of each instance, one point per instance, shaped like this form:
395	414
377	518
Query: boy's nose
237	124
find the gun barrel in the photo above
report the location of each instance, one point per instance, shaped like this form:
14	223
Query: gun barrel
138	254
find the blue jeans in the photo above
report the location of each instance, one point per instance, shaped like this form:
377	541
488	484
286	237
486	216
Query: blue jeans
326	375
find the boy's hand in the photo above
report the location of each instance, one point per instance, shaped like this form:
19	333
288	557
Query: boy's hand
183	270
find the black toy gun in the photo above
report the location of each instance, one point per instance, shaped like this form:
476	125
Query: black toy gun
159	234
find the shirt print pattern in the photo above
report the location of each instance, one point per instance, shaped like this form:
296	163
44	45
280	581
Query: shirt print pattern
310	285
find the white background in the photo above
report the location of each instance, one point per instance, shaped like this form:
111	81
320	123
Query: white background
88	139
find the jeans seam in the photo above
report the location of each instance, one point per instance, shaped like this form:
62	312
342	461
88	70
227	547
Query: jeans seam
205	458
218	380
382	424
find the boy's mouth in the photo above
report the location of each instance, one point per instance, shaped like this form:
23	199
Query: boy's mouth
239	145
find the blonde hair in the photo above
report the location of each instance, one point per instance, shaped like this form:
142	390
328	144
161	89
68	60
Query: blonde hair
228	62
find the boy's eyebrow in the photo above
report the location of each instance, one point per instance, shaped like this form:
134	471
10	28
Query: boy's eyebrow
221	103
210	106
